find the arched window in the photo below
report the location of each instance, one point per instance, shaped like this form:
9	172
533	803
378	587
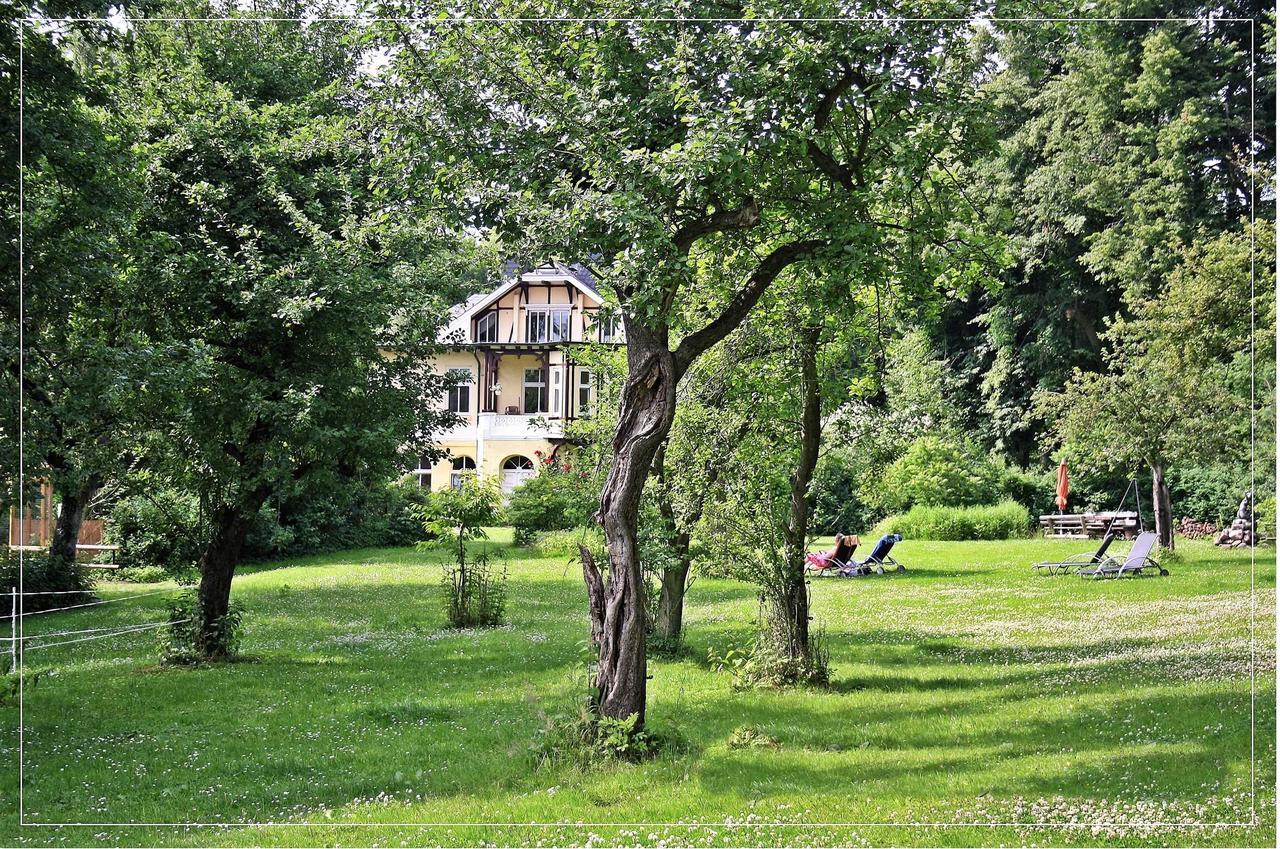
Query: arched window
515	471
461	466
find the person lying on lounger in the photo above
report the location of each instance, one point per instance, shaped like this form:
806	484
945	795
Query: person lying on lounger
820	562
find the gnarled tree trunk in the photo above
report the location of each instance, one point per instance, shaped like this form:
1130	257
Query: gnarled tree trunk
618	613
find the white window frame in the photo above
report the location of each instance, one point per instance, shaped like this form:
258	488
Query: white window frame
458	397
609	328
540	384
422	474
455	477
540	320
586	392
487	322
556	379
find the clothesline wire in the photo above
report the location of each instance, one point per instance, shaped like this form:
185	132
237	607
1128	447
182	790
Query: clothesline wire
132	630
102	601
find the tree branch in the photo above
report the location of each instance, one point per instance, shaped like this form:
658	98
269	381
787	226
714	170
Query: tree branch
747	215
693	345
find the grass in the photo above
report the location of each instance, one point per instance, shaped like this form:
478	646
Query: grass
967	690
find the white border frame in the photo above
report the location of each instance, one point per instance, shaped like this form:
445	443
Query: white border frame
228	826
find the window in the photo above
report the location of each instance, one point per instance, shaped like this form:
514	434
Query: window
610	328
556	377
546	325
517	463
461	466
535	391
584	393
460	391
423	472
487	327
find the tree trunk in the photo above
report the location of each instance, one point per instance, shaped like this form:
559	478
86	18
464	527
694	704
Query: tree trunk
230	524
670	622
670	618
66	531
794	597
645	414
1162	506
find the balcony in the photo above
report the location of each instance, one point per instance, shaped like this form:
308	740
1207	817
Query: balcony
506	426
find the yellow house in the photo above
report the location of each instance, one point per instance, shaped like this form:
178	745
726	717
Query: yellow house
511	352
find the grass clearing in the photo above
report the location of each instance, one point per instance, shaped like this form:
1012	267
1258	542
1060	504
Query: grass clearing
967	690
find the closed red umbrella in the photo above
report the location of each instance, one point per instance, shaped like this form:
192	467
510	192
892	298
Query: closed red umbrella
1063	487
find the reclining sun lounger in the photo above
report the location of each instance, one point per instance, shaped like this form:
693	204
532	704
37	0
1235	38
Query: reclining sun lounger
877	560
1138	559
1076	562
831	562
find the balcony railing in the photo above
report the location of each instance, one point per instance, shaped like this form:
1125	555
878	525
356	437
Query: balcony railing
506	426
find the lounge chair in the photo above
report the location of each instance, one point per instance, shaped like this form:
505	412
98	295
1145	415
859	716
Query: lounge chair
1133	563
831	562
877	560
1076	562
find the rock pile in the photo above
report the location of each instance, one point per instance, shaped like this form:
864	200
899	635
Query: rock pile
1189	528
1243	530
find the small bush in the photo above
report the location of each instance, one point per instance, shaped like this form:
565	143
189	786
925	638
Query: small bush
475	594
752	737
43	574
1006	520
141	575
178	640
585	739
566	542
556	499
764	664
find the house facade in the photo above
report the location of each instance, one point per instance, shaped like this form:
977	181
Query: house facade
511	352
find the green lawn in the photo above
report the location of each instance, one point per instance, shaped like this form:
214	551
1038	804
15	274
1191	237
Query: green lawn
967	690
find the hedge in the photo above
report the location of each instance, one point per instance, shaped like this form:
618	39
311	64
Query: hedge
1006	520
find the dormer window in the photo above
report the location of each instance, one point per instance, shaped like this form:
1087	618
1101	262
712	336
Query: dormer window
487	327
546	324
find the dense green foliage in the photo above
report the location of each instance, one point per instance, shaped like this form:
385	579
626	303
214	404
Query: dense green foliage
939	472
51	581
1006	520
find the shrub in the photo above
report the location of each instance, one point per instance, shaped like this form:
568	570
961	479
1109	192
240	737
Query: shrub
1265	512
764	664
566	542
1006	520
1207	493
178	640
352	513
475	594
141	575
43	574
585	739
160	530
940	472
842	482
556	499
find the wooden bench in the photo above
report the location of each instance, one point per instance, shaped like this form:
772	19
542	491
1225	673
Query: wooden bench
1089	525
